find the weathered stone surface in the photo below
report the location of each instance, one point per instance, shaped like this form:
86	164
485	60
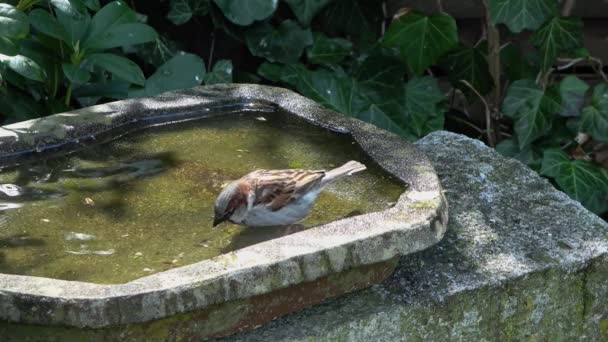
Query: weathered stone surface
520	261
415	222
216	320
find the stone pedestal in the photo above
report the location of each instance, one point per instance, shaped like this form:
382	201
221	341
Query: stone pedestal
520	261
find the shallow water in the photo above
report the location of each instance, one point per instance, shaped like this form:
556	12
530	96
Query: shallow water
144	203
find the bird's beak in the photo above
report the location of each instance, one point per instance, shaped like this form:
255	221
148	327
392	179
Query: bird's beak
218	220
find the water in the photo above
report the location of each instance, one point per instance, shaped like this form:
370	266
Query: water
144	203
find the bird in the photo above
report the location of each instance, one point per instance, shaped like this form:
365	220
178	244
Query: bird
275	197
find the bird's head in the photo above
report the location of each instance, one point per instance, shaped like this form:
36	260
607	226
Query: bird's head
231	199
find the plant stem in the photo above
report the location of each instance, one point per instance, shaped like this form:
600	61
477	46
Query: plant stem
439	6
211	50
68	95
494	68
567	7
489	131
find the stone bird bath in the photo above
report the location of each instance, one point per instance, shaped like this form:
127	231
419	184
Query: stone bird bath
240	289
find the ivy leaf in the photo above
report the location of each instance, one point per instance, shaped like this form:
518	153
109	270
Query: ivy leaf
580	179
305	10
532	109
380	78
76	73
422	39
122	35
595	116
528	155
377	117
24	66
572	92
182	10
8	47
422	99
221	73
555	36
515	64
469	64
246	12
13	22
120	67
519	15
158	52
328	50
359	19
271	71
284	44
185	70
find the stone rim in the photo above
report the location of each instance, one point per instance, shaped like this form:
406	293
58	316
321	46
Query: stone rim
417	221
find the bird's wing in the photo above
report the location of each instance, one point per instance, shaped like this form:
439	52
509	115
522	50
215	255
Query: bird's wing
277	188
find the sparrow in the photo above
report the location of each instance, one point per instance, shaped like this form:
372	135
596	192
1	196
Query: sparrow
275	197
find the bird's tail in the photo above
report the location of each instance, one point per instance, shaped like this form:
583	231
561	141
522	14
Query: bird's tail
345	170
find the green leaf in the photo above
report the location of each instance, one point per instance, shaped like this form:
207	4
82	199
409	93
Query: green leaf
75	26
532	108
305	10
24	66
111	15
8	47
182	10
221	73
113	90
72	8
572	92
182	71
380	78
158	52
556	36
510	148
271	71
17	107
44	22
519	15
246	12
92	4
284	44
122	35
328	50
553	160
13	22
377	117
76	73
422	99
120	67
359	19
581	180
421	39
468	64
515	64
595	116
378	81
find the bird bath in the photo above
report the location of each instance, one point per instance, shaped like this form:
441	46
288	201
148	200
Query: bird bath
109	233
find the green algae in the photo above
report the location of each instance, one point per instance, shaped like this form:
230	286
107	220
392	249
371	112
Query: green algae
144	203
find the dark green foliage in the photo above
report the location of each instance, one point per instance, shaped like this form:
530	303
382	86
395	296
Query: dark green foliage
61	54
